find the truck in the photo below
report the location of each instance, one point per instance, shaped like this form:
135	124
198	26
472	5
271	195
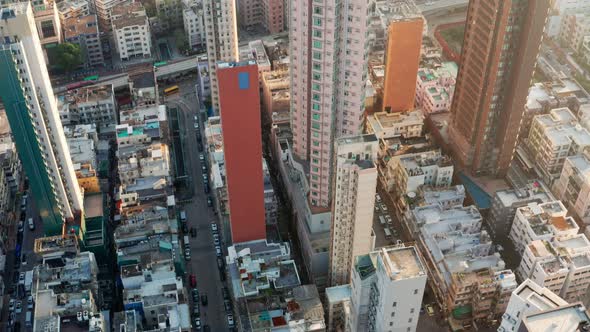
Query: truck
186	241
29	319
28	281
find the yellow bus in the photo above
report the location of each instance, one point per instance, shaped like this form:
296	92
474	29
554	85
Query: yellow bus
171	90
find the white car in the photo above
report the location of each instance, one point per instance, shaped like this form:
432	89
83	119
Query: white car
213	227
11	304
21	278
18	307
230	320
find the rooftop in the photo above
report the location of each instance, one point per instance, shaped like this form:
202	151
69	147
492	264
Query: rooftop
562	127
338	293
93	205
401	263
535	190
382	123
84	25
128	14
568	318
540	297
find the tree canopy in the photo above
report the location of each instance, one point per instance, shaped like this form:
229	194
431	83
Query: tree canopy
68	56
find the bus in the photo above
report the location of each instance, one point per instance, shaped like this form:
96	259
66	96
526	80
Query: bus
171	90
159	64
91	78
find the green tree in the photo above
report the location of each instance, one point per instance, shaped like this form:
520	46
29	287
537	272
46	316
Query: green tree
181	40
68	56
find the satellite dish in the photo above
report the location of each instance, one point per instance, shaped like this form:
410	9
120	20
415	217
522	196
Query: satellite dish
412	194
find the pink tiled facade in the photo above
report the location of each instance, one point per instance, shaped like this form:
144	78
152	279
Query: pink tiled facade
268	13
434	90
328	77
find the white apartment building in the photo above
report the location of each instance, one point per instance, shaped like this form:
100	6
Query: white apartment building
386	290
575	25
573	186
88	105
552	138
328	50
354	202
194	24
528	298
131	31
562	266
41	142
541	222
338	307
73	8
408	172
222	39
387	125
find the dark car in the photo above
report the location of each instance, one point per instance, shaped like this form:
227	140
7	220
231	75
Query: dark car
206	328
193	232
200	147
195	294
206	188
225	293
220	263
184	228
209	201
227	305
222	275
204	300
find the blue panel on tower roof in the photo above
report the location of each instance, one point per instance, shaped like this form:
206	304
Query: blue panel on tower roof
244	81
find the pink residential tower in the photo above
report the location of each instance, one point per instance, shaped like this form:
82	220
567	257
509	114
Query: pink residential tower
328	75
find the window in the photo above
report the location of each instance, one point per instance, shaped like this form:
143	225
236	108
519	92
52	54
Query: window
316	116
315	126
395	304
317	33
317	22
317	44
317	10
317	55
315	87
415	291
317	66
315	107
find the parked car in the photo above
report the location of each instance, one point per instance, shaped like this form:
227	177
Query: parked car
214	227
18	308
220	263
195	294
218	251
30	302
197	323
227	305
193	232
209	201
430	310
184	228
216	242
230	320
204	300
225	293
11	304
31	224
193	281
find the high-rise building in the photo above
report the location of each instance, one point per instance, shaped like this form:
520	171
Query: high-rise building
239	101
31	108
402	58
328	48
498	58
354	202
222	39
386	291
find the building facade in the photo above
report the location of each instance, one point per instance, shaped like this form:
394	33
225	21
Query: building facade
573	186
222	40
194	25
239	101
131	31
35	124
493	81
84	31
402	58
386	290
355	183
328	49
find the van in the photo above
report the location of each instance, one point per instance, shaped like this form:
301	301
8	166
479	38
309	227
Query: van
31	224
387	233
29	319
187	242
382	220
182	215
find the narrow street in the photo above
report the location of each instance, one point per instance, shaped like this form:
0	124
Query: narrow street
203	263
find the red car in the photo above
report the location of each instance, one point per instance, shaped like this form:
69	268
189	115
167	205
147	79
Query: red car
193	280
